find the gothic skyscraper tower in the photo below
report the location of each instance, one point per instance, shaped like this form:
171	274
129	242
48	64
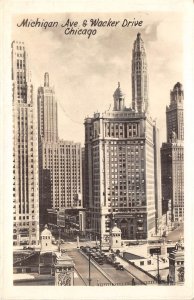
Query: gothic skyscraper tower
174	113
139	76
25	151
47	108
172	157
122	166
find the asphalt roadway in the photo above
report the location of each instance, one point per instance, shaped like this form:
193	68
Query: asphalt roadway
82	268
117	277
176	234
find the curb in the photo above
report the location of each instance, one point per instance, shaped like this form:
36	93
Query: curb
80	276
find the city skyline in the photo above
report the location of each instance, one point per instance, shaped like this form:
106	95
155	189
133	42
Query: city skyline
121	160
85	74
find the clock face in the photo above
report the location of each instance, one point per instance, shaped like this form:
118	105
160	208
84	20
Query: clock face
64	278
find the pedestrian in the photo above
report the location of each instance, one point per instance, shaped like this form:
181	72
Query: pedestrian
133	281
168	279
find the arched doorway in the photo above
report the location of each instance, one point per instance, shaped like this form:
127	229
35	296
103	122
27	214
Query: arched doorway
124	229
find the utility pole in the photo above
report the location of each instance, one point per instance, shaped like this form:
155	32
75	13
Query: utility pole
100	231
59	246
158	267
89	255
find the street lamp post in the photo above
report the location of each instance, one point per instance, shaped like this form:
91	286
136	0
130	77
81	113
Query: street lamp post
100	241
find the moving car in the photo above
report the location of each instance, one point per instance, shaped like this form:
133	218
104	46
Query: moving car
120	267
115	264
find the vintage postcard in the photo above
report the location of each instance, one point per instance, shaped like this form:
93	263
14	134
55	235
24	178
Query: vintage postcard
97	150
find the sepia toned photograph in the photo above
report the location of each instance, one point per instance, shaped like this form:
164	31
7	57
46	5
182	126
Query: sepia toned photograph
97	102
98	198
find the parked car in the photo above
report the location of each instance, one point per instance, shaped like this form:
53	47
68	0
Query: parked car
95	257
95	248
103	254
100	261
83	248
88	250
116	264
30	248
109	260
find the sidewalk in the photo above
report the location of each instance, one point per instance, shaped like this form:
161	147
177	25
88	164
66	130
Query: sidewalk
31	276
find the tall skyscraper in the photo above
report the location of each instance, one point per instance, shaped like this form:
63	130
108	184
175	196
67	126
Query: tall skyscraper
175	113
172	157
60	161
47	133
139	76
121	163
47	108
63	159
25	151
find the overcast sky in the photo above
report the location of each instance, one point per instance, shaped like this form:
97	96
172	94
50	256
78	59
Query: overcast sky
85	72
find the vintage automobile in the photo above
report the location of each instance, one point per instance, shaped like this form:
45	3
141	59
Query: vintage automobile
120	267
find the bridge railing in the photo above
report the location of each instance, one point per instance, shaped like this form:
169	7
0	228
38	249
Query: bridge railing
117	283
140	269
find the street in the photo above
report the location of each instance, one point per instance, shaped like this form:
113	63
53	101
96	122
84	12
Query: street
82	268
105	274
176	234
117	276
